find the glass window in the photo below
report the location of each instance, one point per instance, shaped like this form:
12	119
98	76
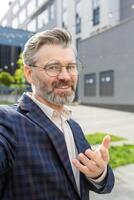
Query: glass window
32	26
96	12
78	23
4	22
43	19
15	8
64	4
40	2
77	43
15	23
107	83
64	22
31	6
78	17
90	84
22	2
51	10
96	3
22	16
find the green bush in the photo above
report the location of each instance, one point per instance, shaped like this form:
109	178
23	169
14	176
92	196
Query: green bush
6	79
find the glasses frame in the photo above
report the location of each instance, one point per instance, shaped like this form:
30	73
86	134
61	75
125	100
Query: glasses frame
79	67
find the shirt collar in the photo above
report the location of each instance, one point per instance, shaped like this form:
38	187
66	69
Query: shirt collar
51	113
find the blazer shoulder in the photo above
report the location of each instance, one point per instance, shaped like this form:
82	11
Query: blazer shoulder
6	109
8	113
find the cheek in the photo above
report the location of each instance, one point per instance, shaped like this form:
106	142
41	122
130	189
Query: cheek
75	79
44	82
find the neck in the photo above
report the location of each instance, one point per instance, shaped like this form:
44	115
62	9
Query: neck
56	107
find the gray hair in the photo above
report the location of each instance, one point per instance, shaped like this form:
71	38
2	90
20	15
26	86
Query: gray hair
55	36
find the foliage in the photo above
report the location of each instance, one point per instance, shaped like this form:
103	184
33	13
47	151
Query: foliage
19	73
121	155
6	79
5	102
19	85
97	138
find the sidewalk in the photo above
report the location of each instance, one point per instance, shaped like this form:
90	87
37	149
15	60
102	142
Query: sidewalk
94	119
119	123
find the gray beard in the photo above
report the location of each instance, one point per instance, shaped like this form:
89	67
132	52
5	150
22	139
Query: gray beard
42	91
53	98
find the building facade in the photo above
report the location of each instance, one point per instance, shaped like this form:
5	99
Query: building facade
11	44
83	18
107	79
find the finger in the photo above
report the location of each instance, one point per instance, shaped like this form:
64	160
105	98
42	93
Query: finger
104	153
106	141
80	167
95	157
87	162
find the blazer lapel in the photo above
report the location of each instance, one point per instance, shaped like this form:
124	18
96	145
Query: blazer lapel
55	135
79	138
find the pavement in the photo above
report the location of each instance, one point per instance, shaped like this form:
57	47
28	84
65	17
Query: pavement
115	122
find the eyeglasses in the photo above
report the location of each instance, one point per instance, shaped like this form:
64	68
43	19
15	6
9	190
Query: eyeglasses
55	68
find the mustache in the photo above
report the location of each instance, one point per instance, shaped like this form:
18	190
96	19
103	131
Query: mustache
62	83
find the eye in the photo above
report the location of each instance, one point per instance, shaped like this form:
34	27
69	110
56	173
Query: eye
53	67
72	66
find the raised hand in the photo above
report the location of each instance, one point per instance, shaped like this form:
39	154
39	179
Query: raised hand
93	163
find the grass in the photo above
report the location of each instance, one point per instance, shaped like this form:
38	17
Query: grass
97	138
5	102
121	155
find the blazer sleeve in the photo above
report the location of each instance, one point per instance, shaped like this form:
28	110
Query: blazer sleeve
7	140
106	185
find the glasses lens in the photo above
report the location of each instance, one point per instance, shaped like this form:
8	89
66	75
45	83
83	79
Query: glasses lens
53	69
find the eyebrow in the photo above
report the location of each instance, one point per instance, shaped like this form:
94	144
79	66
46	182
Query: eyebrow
58	62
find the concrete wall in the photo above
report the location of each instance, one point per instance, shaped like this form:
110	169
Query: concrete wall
126	10
110	50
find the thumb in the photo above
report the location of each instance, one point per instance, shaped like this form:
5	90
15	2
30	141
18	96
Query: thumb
106	141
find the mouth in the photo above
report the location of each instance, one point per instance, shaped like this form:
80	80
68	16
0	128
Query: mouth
63	87
63	90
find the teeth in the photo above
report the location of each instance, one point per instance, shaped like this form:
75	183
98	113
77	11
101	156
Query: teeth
63	87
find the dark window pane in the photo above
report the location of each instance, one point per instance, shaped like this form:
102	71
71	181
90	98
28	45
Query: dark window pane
90	84
107	83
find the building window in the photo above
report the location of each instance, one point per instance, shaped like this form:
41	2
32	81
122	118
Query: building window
40	3
15	23
4	22
51	11
22	16
77	43
32	26
64	22
96	12
22	2
107	83
64	4
78	23
90	84
78	17
15	8
43	19
31	6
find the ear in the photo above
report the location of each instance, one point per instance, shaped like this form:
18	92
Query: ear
28	73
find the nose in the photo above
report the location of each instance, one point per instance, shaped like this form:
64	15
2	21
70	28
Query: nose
64	74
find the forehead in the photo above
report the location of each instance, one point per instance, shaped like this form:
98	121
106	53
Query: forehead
55	52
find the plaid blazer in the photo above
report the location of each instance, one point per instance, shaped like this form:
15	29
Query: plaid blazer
34	162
